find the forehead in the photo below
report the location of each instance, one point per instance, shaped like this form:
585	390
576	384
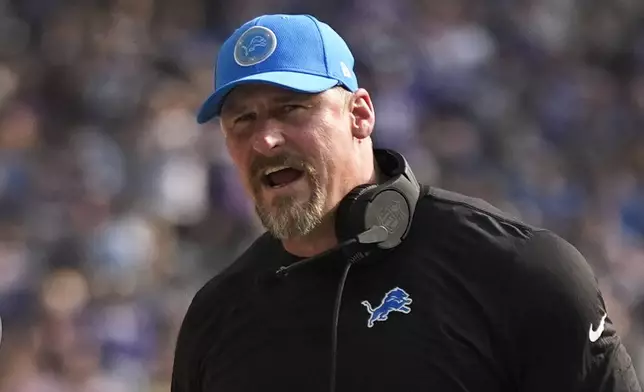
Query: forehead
245	95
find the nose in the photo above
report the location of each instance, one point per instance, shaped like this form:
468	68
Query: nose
268	140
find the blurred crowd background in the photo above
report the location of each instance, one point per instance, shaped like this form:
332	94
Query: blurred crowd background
115	206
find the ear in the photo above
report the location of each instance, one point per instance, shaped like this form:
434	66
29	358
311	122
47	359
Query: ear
363	116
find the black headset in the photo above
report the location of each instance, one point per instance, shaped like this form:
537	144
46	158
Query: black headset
376	215
390	204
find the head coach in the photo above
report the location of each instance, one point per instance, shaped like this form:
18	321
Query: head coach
366	280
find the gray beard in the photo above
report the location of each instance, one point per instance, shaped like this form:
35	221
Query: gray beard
288	218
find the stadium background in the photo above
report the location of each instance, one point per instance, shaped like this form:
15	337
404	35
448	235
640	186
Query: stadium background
115	207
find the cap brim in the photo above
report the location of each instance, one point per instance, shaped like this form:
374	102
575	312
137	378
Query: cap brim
296	81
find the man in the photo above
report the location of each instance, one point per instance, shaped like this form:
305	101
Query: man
459	298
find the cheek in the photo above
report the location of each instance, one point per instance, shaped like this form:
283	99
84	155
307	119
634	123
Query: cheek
327	159
334	143
237	151
339	156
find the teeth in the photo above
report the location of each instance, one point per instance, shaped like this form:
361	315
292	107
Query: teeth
275	169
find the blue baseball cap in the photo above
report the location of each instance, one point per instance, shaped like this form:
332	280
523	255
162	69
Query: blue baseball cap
296	52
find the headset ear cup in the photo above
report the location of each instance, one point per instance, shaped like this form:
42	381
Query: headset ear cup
350	214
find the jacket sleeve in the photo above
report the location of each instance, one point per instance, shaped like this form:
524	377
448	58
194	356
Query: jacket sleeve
187	355
565	338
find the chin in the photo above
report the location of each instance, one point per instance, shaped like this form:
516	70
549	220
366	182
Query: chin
288	202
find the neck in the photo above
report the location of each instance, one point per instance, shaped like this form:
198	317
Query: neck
323	237
316	242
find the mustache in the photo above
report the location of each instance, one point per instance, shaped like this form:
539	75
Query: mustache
261	163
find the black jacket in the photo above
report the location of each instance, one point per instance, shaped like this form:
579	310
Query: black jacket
471	301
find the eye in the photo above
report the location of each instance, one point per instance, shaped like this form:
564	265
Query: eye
291	107
245	117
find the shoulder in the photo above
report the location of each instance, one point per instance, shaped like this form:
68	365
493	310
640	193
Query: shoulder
526	253
211	301
234	278
547	270
467	221
203	321
530	267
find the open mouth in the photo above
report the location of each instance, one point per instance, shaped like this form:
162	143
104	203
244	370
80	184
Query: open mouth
281	176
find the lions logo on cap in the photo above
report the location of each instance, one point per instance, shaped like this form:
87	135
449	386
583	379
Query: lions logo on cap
254	46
